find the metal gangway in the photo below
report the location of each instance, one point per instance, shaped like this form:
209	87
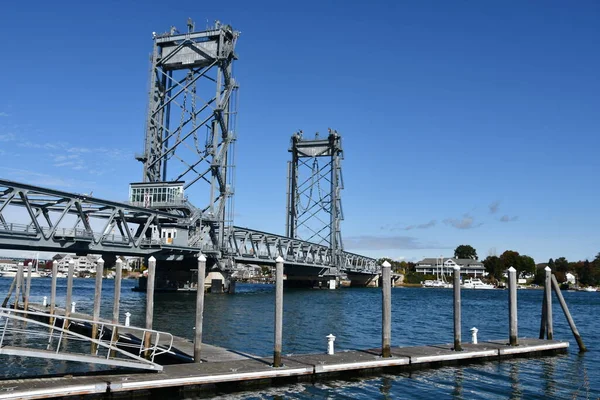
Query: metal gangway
27	334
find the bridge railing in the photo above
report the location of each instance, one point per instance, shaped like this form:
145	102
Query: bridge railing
26	333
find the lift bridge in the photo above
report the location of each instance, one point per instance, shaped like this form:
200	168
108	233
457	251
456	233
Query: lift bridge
189	154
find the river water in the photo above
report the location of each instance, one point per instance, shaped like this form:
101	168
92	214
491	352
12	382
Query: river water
244	322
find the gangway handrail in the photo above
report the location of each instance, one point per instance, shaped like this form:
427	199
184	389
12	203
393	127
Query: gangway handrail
111	346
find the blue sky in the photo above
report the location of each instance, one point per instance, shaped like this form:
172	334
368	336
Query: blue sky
463	122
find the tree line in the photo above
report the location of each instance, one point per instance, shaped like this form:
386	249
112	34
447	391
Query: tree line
586	272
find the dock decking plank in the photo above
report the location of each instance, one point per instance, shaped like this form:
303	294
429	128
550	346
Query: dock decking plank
257	368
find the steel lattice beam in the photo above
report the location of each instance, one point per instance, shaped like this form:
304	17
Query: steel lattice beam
190	126
314	207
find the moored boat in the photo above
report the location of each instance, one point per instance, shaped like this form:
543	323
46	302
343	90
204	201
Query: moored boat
476	283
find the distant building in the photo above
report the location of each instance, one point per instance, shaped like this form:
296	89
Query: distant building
82	263
6	264
247	271
570	278
432	266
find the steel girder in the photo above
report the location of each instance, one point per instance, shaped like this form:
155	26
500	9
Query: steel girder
57	221
314	206
250	246
190	126
60	221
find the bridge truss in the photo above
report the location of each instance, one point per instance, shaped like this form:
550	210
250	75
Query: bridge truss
190	127
189	145
314	205
42	219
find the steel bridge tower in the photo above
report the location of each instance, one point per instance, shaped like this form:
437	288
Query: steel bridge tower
190	131
314	205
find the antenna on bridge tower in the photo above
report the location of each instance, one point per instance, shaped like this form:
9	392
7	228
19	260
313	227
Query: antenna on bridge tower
314	204
192	94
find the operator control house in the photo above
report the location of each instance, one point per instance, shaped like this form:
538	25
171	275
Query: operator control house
156	194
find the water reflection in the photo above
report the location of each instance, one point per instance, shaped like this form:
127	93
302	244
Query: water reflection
548	370
457	391
386	387
513	376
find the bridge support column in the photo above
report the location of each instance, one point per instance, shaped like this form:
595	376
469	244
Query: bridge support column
199	307
363	280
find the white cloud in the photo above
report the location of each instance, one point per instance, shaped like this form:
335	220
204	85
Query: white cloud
494	207
370	242
466	222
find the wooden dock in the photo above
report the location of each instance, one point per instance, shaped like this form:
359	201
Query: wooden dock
182	348
238	373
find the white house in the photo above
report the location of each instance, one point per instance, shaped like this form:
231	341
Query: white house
82	263
570	278
433	266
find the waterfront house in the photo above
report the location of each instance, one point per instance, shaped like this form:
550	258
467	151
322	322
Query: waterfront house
442	265
7	264
86	264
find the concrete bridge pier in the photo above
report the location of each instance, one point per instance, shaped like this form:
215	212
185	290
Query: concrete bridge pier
363	280
219	282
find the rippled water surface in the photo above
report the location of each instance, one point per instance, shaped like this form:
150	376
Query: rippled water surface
244	322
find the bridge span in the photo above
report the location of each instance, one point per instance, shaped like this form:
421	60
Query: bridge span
57	221
188	157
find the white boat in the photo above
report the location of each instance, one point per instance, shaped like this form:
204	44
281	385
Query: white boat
476	283
439	282
11	272
590	289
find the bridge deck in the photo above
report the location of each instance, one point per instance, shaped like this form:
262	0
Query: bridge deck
234	373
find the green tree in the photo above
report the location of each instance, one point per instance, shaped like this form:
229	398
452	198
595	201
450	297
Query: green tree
540	275
511	259
560	265
465	251
526	265
586	274
493	266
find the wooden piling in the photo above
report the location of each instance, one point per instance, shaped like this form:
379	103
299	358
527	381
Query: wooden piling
27	287
150	299
548	292
10	291
565	309
114	337
386	309
457	311
97	300
19	284
278	311
53	291
69	290
117	298
199	307
543	318
512	306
